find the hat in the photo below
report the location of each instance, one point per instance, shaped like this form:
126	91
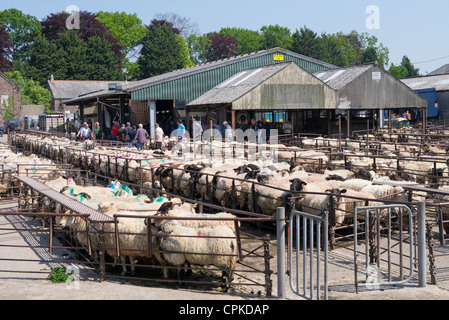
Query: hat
225	122
156	125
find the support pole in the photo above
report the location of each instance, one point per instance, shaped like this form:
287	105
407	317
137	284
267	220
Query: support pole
422	244
281	252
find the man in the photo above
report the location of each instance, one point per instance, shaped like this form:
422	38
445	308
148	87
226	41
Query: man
131	135
128	128
228	131
159	136
141	137
99	135
266	125
121	134
287	129
85	132
198	130
114	131
217	130
181	133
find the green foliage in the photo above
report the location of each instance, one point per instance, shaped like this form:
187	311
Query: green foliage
248	41
398	71
126	28
306	42
411	70
43	61
185	53
58	275
21	28
7	110
370	55
161	51
30	91
197	46
275	36
101	63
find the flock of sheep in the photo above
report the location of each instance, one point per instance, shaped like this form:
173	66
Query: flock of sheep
259	185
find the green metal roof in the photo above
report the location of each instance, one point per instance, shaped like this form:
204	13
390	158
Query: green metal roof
190	83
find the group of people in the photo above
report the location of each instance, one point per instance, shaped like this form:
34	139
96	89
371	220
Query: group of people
134	136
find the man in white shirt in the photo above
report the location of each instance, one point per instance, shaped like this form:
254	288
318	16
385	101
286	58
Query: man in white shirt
228	131
159	136
85	132
287	129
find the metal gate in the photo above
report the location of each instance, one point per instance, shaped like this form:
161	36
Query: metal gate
308	255
379	242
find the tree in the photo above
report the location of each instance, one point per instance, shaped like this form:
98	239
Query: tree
398	71
247	41
72	52
22	28
351	47
7	110
183	25
369	55
185	53
275	36
197	46
411	70
101	62
161	51
331	51
54	25
306	42
43	62
129	32
31	93
220	47
6	48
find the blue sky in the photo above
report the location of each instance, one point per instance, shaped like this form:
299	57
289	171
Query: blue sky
413	28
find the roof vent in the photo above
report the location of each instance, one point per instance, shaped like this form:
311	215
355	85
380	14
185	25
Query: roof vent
114	86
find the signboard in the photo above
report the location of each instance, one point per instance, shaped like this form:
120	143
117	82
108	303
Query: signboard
278	57
377	76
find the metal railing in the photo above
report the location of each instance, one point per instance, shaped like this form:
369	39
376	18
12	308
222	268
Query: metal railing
308	234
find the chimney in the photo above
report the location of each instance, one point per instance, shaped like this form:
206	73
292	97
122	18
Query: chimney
52	78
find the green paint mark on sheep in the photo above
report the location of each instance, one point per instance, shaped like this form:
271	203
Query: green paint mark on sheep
159	199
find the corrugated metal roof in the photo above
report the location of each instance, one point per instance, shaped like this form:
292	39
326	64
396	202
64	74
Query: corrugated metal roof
441	70
190	83
170	76
440	82
338	78
238	85
69	89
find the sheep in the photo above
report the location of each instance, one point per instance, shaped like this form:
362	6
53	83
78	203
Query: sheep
204	246
355	184
316	204
384	192
186	210
60	183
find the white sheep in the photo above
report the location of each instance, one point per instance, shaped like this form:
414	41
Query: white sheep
204	246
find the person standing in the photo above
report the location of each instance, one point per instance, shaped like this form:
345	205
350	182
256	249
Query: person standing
130	137
159	136
228	131
114	131
198	130
121	134
85	132
99	134
181	133
217	130
141	137
287	129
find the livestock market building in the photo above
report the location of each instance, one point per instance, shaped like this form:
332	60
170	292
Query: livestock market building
276	84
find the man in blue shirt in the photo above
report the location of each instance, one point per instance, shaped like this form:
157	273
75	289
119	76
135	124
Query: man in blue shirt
217	130
181	131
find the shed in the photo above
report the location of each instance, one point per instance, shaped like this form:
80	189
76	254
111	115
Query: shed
440	83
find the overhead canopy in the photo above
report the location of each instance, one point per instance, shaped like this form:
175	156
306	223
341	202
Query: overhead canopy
369	86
